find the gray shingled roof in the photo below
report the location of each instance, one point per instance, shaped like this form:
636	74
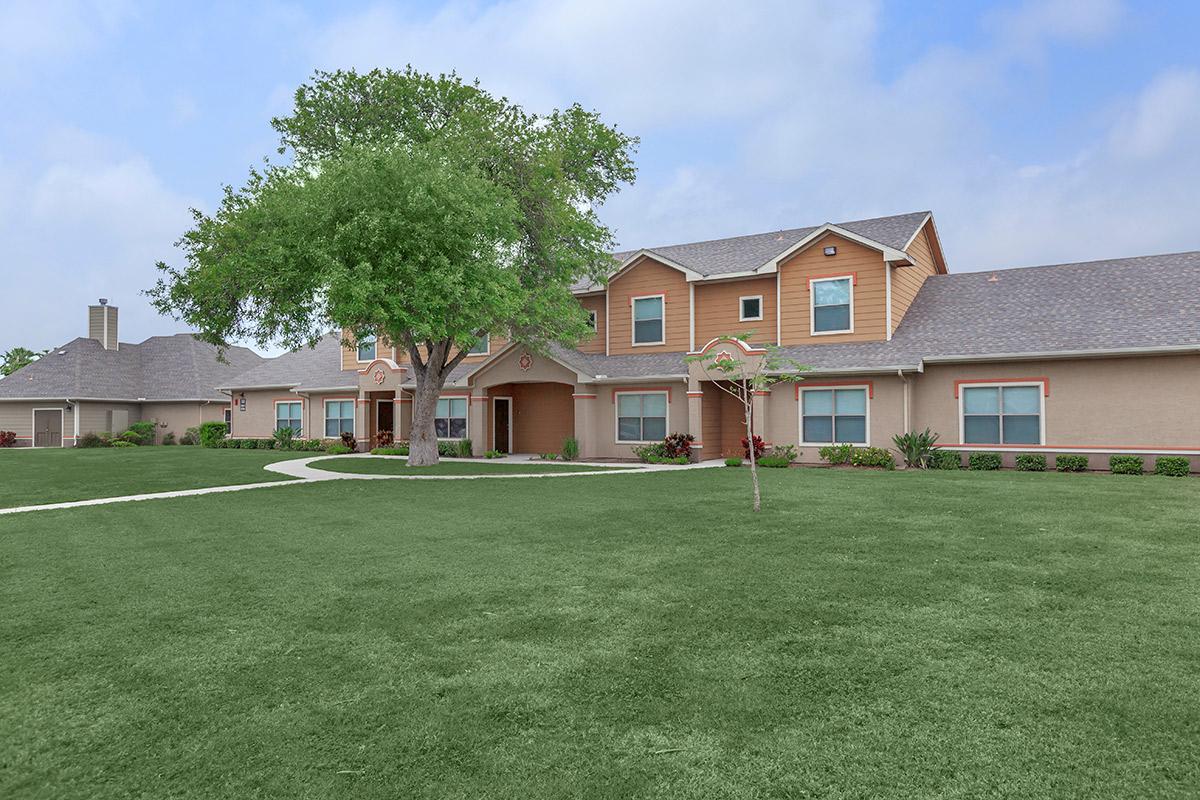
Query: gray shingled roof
176	367
318	367
742	253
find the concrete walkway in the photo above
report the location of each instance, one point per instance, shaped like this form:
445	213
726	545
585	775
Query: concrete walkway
299	468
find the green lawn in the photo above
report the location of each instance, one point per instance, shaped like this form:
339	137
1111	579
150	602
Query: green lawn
32	477
399	466
869	634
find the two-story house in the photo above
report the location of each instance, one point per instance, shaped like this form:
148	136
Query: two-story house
1096	358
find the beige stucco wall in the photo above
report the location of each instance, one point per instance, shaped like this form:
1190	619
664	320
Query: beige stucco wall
178	417
18	418
885	411
94	417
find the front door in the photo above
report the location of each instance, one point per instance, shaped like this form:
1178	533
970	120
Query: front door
48	428
501	423
384	421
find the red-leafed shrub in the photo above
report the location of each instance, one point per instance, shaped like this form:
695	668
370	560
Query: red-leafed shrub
678	444
8	438
349	441
759	447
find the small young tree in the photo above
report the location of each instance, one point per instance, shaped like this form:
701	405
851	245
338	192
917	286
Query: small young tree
741	374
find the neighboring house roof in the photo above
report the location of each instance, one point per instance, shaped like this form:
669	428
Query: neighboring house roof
178	367
737	254
308	368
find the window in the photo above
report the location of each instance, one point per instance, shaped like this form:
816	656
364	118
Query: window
750	308
641	417
480	348
450	419
648	320
1002	414
289	415
833	416
228	421
832	305
366	349
592	320
339	418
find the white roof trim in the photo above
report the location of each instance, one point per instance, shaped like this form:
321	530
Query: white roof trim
583	376
920	228
889	253
691	274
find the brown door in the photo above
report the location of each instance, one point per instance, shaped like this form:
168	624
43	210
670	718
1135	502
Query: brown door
500	414
384	420
47	428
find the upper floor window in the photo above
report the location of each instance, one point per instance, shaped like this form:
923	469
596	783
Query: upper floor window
482	346
750	308
592	320
641	417
366	348
450	418
648	320
1002	414
339	418
833	416
289	415
832	305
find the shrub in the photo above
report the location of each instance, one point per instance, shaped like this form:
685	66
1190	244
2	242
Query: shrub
210	433
837	453
646	452
284	438
488	454
465	450
384	439
873	457
1031	462
390	451
447	449
190	437
140	433
733	462
349	441
759	446
1174	466
122	443
169	438
548	456
983	461
945	459
89	439
8	438
916	448
570	451
1126	465
308	445
338	450
133	437
678	444
1070	463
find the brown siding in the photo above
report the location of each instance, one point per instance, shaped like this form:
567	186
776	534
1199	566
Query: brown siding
543	415
718	310
648	277
710	419
870	292
594	344
907	281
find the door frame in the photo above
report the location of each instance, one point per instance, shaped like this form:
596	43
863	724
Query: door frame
62	426
390	401
510	421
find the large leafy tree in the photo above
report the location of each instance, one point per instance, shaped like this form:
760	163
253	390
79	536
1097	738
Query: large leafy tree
419	208
16	358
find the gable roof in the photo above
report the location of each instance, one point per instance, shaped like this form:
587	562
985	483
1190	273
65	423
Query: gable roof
717	257
179	367
318	367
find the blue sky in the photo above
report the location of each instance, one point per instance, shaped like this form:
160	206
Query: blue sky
1037	132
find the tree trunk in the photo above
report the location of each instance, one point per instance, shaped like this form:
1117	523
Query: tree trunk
422	438
750	440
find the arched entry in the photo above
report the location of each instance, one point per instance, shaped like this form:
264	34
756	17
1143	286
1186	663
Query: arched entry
534	417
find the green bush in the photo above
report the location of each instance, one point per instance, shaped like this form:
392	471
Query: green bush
169	438
140	433
493	454
308	445
1031	462
190	437
570	451
945	459
121	443
873	457
549	456
465	450
210	433
646	452
1066	462
733	462
1174	466
916	448
1126	465
390	451
284	437
338	449
92	440
983	461
447	449
654	459
837	453
781	455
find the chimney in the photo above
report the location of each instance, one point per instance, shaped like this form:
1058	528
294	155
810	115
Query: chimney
102	324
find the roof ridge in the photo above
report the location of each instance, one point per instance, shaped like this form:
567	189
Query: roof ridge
987	271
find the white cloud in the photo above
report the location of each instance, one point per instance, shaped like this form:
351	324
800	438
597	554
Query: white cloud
35	34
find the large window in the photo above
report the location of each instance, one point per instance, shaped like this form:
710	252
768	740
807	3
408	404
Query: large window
480	348
648	320
366	349
1002	414
339	418
750	308
289	415
450	419
641	417
832	305
833	416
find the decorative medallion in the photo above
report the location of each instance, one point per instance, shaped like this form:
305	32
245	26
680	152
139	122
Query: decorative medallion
379	376
723	357
525	362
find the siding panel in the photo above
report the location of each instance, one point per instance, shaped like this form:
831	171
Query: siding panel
648	277
870	293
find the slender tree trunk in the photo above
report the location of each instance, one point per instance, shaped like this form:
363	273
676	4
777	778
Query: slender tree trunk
422	442
749	401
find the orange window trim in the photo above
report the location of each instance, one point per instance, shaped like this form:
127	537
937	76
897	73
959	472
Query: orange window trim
639	390
807	384
971	381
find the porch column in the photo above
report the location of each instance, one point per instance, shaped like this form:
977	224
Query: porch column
585	420
362	431
695	403
759	418
477	423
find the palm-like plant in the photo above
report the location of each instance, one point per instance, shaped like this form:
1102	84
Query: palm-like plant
916	448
